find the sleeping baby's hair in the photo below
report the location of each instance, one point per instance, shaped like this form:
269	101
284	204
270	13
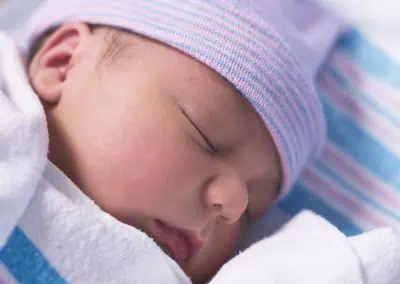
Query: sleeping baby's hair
118	41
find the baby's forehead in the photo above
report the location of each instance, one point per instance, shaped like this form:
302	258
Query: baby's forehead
193	73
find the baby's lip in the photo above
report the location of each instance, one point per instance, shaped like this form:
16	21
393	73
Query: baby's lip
182	244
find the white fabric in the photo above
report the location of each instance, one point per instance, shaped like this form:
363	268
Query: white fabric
379	254
14	14
310	250
86	245
23	139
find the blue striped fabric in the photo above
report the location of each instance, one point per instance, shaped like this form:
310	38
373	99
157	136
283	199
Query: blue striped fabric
356	182
302	198
350	136
26	263
370	58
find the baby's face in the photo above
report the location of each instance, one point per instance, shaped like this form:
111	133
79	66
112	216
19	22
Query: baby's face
159	141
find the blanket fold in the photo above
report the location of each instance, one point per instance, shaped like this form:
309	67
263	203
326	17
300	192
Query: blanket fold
310	250
23	139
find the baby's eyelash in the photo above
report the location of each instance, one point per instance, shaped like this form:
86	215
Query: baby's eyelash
210	149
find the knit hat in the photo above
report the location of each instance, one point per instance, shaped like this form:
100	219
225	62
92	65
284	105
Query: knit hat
231	38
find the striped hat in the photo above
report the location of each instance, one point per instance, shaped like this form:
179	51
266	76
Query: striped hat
232	39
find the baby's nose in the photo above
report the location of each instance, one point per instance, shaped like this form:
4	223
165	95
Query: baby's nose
227	197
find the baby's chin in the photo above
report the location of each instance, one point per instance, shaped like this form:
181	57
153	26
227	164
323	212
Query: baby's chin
205	265
199	277
207	260
202	272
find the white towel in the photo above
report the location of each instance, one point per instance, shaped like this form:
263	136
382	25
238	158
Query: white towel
23	139
86	245
309	250
379	254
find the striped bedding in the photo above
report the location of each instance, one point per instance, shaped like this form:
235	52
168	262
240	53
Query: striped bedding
356	182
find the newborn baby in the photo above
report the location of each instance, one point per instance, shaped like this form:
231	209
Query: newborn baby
156	139
184	119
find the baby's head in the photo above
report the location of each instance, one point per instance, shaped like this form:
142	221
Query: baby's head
185	119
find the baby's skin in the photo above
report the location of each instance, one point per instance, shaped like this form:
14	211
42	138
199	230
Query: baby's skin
157	139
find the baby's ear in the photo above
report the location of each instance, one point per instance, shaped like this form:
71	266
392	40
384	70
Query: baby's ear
50	66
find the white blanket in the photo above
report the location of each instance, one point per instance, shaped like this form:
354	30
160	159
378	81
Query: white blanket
23	139
310	250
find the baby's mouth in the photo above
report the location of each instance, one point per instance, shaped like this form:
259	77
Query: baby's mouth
181	244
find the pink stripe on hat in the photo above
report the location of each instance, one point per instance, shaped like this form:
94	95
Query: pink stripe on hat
230	38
